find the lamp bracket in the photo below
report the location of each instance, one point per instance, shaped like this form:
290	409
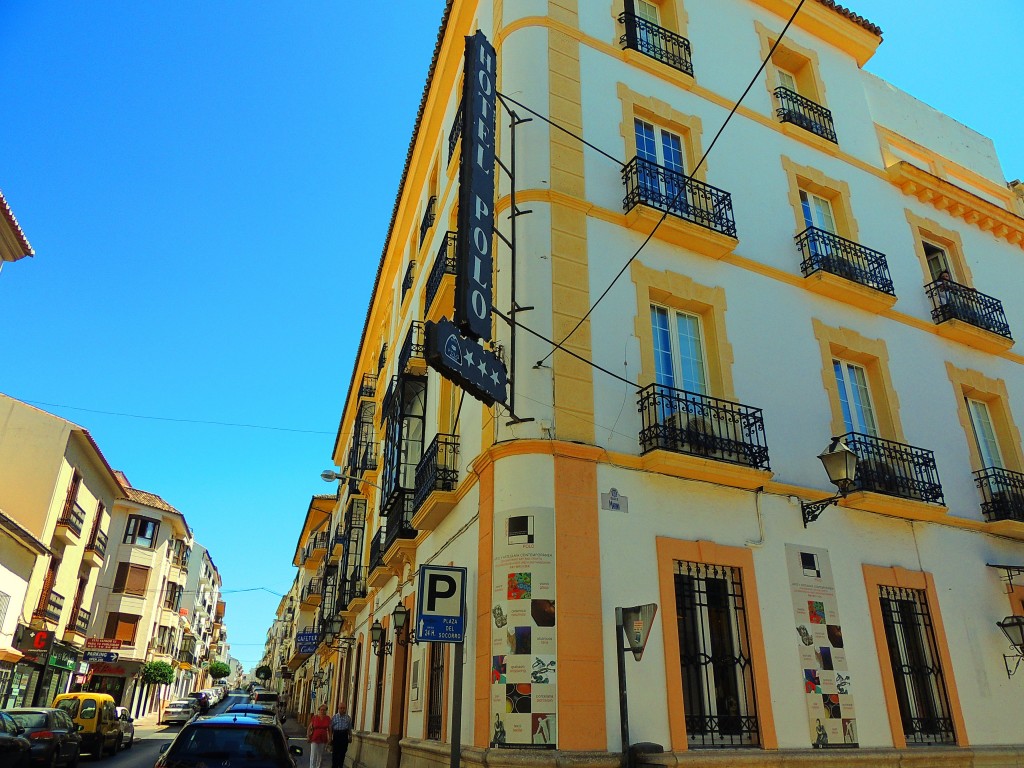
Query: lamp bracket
1016	658
812	510
1009	571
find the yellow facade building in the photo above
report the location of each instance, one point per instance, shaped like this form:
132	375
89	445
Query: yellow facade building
837	271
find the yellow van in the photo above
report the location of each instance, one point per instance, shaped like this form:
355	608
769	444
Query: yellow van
94	712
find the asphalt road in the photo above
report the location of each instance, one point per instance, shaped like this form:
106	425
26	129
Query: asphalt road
149	739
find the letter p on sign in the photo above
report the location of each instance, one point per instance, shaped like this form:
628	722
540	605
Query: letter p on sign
441	602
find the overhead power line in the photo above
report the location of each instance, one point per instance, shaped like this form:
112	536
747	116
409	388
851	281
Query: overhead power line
180	420
681	189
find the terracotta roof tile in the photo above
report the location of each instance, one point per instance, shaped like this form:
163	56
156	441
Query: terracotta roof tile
856	18
150	500
8	214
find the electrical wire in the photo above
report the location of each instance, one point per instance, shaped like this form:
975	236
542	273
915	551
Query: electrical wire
682	187
180	421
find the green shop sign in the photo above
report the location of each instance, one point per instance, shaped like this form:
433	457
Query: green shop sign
62	660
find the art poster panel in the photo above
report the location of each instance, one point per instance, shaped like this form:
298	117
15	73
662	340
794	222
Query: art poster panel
524	667
827	687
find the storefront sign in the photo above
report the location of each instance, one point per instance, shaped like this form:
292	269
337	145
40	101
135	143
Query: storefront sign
62	659
102	644
35	641
465	362
475	261
102	668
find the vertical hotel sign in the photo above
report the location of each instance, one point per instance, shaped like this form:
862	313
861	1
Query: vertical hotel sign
475	260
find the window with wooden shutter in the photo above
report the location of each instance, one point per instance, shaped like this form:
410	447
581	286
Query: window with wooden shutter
122	626
131	579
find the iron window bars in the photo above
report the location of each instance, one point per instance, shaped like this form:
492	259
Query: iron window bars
656	42
435	691
410	277
368	386
802	112
714	656
894	469
74	519
1002	494
414	346
98	544
952	301
455	133
828	252
917	673
650	184
444	264
438	470
687	422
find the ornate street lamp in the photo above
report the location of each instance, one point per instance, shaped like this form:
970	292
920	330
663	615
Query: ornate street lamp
841	466
1013	628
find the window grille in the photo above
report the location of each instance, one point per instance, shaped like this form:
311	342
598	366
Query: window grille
435	694
714	656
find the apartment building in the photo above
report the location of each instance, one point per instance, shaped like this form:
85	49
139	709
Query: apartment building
56	490
836	273
202	589
140	596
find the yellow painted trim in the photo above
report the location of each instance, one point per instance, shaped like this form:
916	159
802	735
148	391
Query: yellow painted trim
876	576
873	355
671	15
799	61
828	25
662	115
848	291
581	693
668	552
994	393
678	291
926	229
835	191
483	467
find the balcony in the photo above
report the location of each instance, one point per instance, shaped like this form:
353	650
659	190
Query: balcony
656	42
411	359
95	550
368	386
79	623
382	358
50	607
409	279
894	469
70	524
437	473
312	592
352	588
428	218
804	113
398	510
455	133
954	305
315	549
699	425
825	254
441	280
379	575
685	198
1002	494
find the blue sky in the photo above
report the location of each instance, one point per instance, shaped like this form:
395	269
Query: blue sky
208	186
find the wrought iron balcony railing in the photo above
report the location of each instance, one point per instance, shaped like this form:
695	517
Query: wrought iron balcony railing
98	544
353	587
410	277
400	519
455	133
952	301
51	605
313	587
413	347
656	42
377	549
826	252
687	422
80	621
894	469
368	386
802	112
444	264
438	469
1002	494
318	542
650	184
429	214
382	358
74	519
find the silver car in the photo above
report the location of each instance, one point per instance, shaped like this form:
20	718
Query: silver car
180	711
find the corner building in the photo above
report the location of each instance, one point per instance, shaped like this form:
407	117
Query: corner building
839	267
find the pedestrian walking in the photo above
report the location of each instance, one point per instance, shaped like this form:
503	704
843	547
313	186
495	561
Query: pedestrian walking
316	734
341	735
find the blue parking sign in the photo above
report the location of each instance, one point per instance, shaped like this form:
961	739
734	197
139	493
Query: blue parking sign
441	604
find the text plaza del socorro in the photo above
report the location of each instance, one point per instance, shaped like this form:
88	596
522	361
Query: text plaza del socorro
441	601
454	348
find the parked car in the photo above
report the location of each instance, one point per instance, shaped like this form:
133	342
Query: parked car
180	711
238	740
100	730
127	723
267	710
52	733
203	700
214	695
264	697
15	749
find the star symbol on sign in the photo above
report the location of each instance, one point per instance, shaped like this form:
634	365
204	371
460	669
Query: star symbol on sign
483	368
468	357
494	378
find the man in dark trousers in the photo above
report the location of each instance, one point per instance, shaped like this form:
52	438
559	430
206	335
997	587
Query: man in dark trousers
341	735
